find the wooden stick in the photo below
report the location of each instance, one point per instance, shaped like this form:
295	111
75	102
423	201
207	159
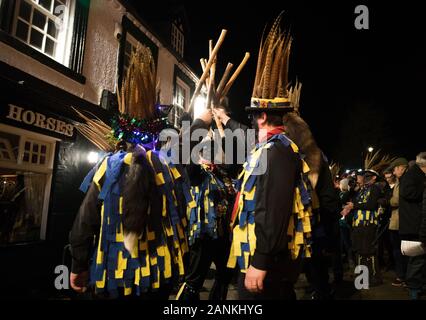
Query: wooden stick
203	63
236	73
208	66
210	87
210	47
223	81
213	68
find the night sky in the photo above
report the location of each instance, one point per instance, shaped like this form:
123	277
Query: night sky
360	87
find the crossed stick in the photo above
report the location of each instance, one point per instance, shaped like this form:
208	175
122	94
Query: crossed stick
216	95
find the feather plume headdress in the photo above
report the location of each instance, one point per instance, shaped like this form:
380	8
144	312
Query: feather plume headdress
139	120
375	162
335	169
270	90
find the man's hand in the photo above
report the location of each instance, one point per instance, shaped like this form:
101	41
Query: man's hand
254	279
206	116
221	115
345	212
349	206
79	281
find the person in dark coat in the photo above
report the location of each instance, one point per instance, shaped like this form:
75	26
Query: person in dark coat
325	232
365	214
208	224
423	225
412	185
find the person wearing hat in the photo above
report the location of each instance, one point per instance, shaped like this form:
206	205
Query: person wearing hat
214	194
271	217
365	211
411	188
398	168
128	238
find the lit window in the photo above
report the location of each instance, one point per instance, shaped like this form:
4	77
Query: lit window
182	94
43	25
26	166
178	39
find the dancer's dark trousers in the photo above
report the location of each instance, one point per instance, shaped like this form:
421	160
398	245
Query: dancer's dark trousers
416	271
202	253
364	244
278	284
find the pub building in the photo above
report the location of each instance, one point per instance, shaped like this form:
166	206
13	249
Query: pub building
56	55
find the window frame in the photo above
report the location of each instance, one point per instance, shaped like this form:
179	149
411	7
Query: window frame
64	38
77	40
177	39
187	90
47	169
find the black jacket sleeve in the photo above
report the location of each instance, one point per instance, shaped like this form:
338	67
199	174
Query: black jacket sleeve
411	185
372	202
86	227
422	232
274	205
327	195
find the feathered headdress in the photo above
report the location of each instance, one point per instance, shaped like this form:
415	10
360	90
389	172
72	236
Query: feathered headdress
376	162
139	120
335	170
294	96
270	90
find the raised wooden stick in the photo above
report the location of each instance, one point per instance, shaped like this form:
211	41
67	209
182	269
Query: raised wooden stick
235	75
223	81
206	71
211	89
203	67
213	68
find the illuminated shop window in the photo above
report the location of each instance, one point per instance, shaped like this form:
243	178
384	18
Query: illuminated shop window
26	165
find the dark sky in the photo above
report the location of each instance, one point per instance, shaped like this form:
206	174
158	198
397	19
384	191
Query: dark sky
360	87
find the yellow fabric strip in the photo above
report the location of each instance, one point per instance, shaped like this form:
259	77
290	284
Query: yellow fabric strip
127	291
137	276
128	158
101	284
168	264
159	179
121	261
146	270
100	173
175	173
164	210
100	254
120	208
180	291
